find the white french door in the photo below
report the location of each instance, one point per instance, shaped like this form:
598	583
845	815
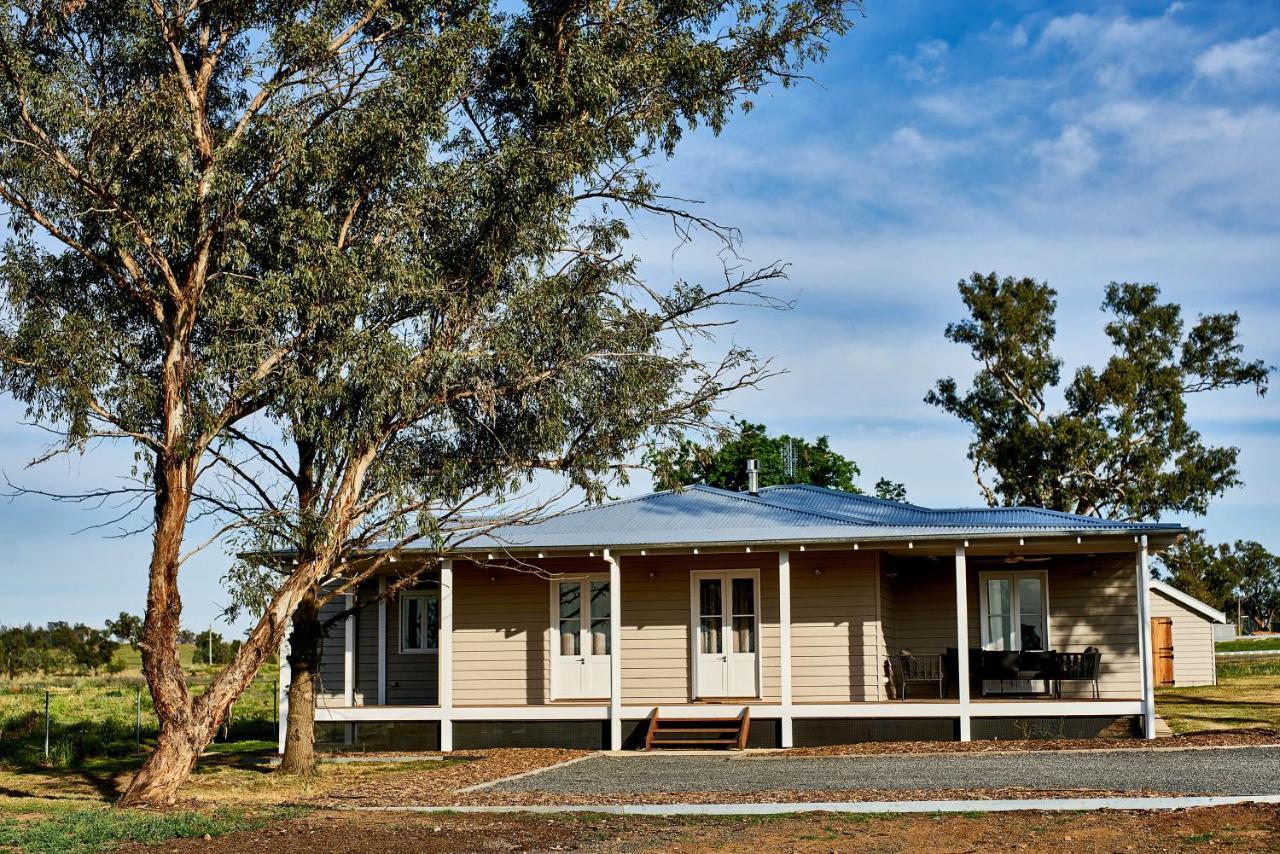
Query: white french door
726	634
580	642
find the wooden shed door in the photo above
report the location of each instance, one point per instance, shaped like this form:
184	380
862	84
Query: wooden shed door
1162	650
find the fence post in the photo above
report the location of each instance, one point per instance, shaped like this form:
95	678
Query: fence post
46	724
137	728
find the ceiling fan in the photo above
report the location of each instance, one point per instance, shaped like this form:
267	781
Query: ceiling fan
1013	558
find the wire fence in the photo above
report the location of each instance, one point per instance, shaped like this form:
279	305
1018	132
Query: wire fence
65	721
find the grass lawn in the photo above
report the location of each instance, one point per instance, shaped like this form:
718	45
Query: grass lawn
1259	645
1247	695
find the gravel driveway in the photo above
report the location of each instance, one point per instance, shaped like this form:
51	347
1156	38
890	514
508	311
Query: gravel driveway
1252	771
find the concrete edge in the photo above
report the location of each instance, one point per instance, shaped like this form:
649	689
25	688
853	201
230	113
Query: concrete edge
862	807
530	773
1172	748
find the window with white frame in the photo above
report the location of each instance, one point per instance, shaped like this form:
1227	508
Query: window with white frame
1015	610
419	622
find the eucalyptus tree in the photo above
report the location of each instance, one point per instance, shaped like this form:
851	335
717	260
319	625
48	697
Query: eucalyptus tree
1121	446
563	374
206	194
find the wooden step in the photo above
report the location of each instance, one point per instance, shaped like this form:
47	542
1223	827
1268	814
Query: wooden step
664	721
729	732
702	729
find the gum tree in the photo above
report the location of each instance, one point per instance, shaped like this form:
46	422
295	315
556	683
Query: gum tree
1122	445
206	197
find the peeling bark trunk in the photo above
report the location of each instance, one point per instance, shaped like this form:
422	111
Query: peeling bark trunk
180	740
304	660
188	724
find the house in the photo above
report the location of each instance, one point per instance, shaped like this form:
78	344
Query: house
1182	637
806	607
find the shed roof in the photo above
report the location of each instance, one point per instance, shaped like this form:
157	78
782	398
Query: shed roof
1188	601
704	515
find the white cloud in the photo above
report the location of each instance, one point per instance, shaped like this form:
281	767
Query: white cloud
1243	61
927	64
1072	154
1117	50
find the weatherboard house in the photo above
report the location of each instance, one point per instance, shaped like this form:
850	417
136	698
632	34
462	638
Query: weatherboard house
785	616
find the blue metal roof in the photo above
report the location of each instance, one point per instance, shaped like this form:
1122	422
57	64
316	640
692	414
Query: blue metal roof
870	510
781	514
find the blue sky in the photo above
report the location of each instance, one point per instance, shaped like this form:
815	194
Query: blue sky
1078	143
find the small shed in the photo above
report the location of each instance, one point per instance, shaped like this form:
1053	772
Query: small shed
1182	640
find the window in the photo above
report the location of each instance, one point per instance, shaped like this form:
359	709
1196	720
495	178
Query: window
572	622
1015	610
419	622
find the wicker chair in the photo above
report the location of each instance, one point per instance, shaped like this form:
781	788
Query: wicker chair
910	668
1078	667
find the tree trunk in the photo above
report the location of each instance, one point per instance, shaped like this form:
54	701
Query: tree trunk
167	768
304	659
181	735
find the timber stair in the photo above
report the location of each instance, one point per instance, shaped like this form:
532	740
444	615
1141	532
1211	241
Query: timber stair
681	733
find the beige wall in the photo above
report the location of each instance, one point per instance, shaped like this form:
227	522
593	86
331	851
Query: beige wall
847	619
501	626
1193	647
1092	602
836	639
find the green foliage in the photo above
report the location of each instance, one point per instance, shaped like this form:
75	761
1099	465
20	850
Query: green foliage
126	628
99	828
1221	575
1258	574
58	647
1200	569
223	651
891	490
1121	447
724	465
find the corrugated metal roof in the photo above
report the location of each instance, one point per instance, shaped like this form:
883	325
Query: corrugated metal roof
877	511
781	514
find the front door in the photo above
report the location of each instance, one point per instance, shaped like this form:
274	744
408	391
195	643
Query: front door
726	634
1162	649
581	645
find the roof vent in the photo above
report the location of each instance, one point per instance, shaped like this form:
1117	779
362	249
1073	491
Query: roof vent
753	476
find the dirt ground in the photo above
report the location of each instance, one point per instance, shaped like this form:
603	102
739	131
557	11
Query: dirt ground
1237	828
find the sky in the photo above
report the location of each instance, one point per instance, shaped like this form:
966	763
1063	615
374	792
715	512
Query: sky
1077	143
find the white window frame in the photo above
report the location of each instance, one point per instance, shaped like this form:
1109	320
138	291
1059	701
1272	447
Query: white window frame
431	642
1015	605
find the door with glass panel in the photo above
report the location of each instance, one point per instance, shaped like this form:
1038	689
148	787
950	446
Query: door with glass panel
1015	611
581	645
726	634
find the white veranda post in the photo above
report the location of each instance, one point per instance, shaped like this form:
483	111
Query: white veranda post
1144	641
962	642
349	663
282	689
615	648
784	634
444	652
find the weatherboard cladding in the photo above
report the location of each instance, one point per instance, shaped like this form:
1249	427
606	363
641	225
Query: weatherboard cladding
703	514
